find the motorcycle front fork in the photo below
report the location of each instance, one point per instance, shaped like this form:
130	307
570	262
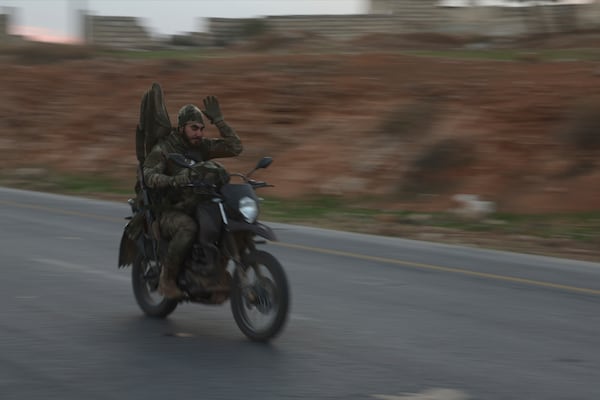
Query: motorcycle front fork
238	247
233	245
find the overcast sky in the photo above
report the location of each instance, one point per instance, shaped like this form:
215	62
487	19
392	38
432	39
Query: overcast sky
167	17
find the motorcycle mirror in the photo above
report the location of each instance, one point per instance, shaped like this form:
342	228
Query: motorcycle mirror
179	159
264	162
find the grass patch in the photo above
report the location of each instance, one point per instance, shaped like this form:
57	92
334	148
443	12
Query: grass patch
81	184
268	41
312	209
338	213
56	182
512	54
175	54
584	227
44	53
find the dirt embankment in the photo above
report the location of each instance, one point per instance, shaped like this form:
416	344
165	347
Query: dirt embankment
388	129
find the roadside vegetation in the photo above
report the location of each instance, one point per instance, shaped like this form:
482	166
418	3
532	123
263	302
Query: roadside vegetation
258	40
525	55
574	235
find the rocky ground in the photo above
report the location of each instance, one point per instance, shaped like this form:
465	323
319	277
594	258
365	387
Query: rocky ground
369	121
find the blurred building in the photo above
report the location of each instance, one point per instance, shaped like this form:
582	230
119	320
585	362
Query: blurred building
116	32
385	16
481	17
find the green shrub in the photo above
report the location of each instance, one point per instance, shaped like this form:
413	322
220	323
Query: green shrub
445	154
581	129
410	121
434	171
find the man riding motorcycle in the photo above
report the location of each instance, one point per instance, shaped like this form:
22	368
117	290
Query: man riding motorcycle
175	205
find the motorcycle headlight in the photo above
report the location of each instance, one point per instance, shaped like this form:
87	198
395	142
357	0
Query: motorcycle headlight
249	209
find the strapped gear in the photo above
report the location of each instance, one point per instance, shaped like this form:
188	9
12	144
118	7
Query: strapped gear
154	123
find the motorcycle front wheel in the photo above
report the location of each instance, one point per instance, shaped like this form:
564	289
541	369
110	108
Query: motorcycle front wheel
260	307
145	290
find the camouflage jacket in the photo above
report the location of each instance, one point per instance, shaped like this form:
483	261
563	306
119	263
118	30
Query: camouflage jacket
158	170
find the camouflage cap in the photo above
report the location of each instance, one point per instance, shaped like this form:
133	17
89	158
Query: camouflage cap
189	113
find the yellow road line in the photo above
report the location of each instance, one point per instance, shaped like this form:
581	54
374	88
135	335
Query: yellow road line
431	267
383	260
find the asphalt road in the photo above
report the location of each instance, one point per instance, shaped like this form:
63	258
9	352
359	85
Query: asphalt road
371	318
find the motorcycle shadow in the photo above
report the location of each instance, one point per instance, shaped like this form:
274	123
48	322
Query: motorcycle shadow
210	334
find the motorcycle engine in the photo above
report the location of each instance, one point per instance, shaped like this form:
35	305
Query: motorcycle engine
204	260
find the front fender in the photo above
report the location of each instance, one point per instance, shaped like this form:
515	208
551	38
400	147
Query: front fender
257	228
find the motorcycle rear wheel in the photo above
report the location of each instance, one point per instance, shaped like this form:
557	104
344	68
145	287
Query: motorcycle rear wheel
269	295
146	293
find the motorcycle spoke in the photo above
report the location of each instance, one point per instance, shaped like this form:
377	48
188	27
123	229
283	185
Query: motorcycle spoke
260	303
150	279
145	287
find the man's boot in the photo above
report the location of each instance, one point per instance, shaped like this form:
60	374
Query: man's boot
167	285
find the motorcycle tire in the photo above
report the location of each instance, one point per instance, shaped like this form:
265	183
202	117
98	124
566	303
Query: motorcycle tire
275	293
151	303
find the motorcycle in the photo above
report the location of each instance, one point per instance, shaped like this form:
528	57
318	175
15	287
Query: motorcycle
224	263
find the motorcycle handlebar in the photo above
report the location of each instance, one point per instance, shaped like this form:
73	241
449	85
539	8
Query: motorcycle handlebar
259	184
254	183
197	185
203	185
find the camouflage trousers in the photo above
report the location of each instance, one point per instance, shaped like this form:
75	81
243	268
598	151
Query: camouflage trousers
180	230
